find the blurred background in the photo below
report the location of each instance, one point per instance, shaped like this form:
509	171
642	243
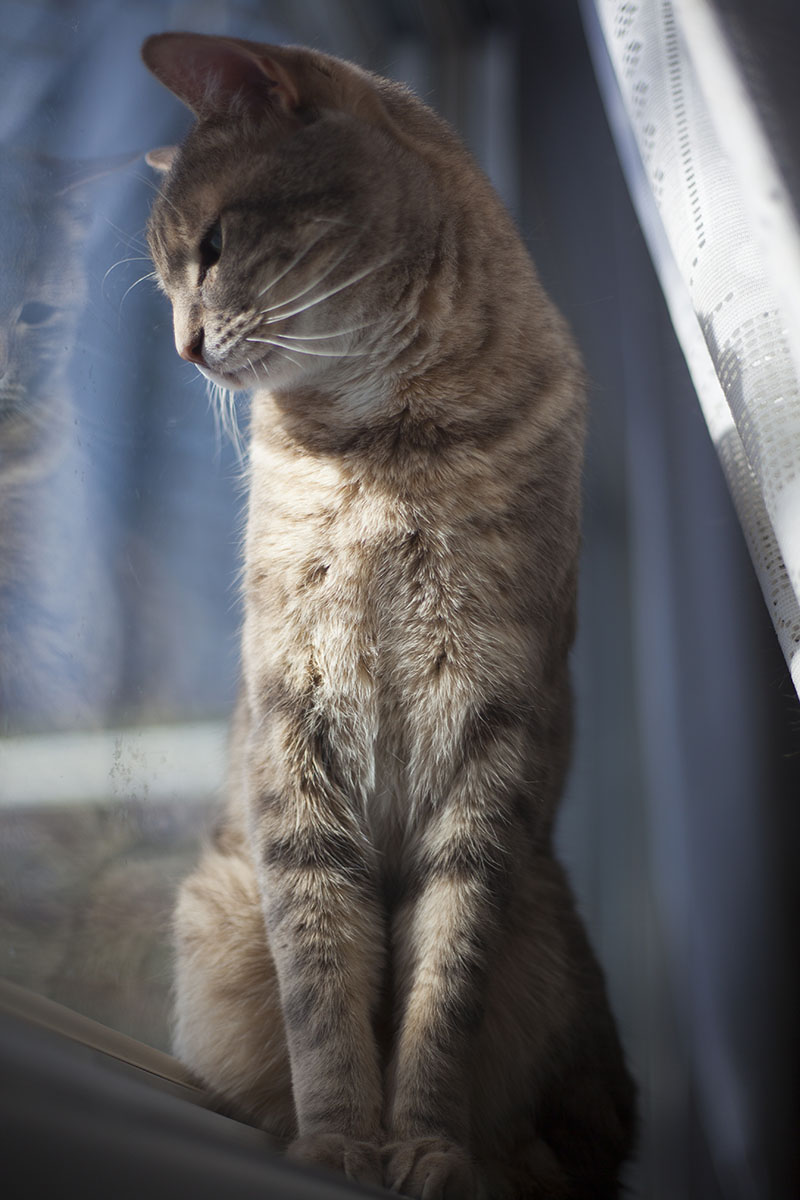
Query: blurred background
120	515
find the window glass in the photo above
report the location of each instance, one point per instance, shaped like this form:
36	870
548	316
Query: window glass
120	508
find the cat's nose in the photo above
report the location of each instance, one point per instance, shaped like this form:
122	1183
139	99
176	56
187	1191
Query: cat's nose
192	350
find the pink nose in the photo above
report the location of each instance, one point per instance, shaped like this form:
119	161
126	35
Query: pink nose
193	350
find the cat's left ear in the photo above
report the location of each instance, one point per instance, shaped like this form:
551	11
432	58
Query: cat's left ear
162	158
217	75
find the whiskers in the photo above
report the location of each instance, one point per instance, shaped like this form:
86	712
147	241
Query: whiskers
322	337
121	262
307	349
334	291
136	245
306	297
136	282
156	187
314	282
222	401
284	352
298	258
297	343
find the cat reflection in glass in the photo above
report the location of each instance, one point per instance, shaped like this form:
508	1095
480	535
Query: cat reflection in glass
54	583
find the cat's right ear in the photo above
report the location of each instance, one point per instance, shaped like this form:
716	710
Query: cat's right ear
217	75
162	158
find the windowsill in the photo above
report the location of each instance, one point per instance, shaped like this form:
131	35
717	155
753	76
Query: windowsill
46	1014
91	1112
164	763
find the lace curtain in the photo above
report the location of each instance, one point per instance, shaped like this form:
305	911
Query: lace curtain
723	234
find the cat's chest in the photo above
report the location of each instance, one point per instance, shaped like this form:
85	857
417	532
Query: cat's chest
329	557
360	601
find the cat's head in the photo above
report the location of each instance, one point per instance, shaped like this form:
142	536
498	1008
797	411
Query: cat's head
298	226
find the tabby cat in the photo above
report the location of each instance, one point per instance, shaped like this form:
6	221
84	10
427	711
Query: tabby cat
379	958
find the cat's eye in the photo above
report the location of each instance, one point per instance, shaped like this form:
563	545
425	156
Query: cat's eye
210	248
35	313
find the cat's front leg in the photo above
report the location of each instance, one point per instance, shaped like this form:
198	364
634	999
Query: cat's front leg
325	931
441	943
441	948
458	890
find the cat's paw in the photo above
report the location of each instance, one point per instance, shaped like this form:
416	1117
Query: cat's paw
429	1169
358	1161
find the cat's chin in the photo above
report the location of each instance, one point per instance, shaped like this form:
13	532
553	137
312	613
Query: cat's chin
231	382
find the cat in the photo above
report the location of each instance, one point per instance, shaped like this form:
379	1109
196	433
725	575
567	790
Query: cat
378	958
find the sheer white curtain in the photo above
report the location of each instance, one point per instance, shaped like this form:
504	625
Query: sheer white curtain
723	233
708	184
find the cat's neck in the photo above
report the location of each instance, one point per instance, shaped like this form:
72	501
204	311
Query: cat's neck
409	466
404	430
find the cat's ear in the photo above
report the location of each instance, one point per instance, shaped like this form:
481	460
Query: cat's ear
162	158
217	75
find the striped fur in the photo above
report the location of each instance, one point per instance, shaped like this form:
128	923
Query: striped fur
380	957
